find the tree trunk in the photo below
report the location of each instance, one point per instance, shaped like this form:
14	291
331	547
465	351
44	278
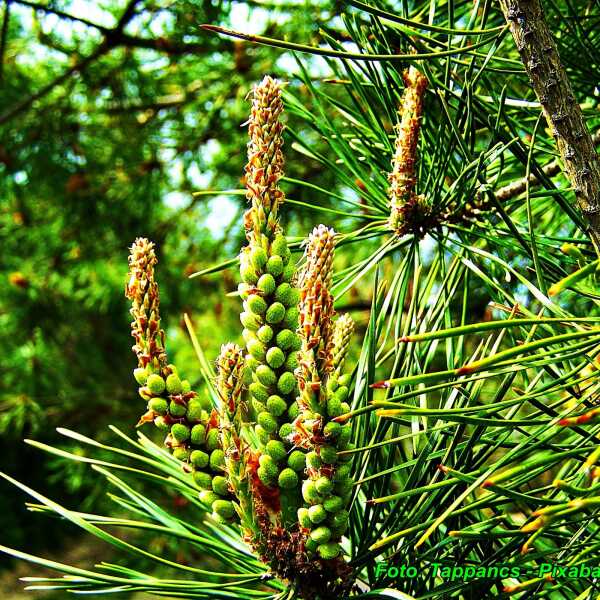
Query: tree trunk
540	57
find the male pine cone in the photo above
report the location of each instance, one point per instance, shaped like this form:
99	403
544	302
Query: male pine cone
270	316
327	488
192	426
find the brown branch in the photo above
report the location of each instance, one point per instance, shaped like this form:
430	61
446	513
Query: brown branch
520	185
120	38
165	45
548	77
127	15
113	38
148	106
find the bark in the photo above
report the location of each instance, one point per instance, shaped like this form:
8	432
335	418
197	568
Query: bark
549	79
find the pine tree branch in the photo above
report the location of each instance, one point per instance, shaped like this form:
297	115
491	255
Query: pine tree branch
549	79
520	185
119	38
127	15
112	38
166	45
51	10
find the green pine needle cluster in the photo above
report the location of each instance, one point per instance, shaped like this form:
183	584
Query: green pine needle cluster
464	431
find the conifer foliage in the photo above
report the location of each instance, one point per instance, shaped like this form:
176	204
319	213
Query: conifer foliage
456	424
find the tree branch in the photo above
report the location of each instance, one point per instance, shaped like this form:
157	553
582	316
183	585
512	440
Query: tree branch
119	37
162	44
127	15
548	77
520	185
50	10
110	40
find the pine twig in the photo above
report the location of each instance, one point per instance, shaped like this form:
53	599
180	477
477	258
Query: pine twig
520	185
44	91
549	79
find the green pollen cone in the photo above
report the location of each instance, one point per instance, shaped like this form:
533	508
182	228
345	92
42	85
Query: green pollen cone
317	514
224	508
267	421
324	485
266	375
207	497
198	434
199	459
173	384
159	406
195	412
266	284
140	375
286	339
177	409
329	551
276	450
333	504
275	265
202	480
156	384
258	257
276	405
180	432
220	485
275	357
288	479
321	535
265	334
217	459
297	460
275	313
304	518
286	383
257	305
212	439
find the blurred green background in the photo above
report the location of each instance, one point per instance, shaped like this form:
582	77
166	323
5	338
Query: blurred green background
112	114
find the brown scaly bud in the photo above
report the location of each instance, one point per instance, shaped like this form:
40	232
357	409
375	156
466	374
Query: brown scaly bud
402	178
316	308
342	332
265	161
142	290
